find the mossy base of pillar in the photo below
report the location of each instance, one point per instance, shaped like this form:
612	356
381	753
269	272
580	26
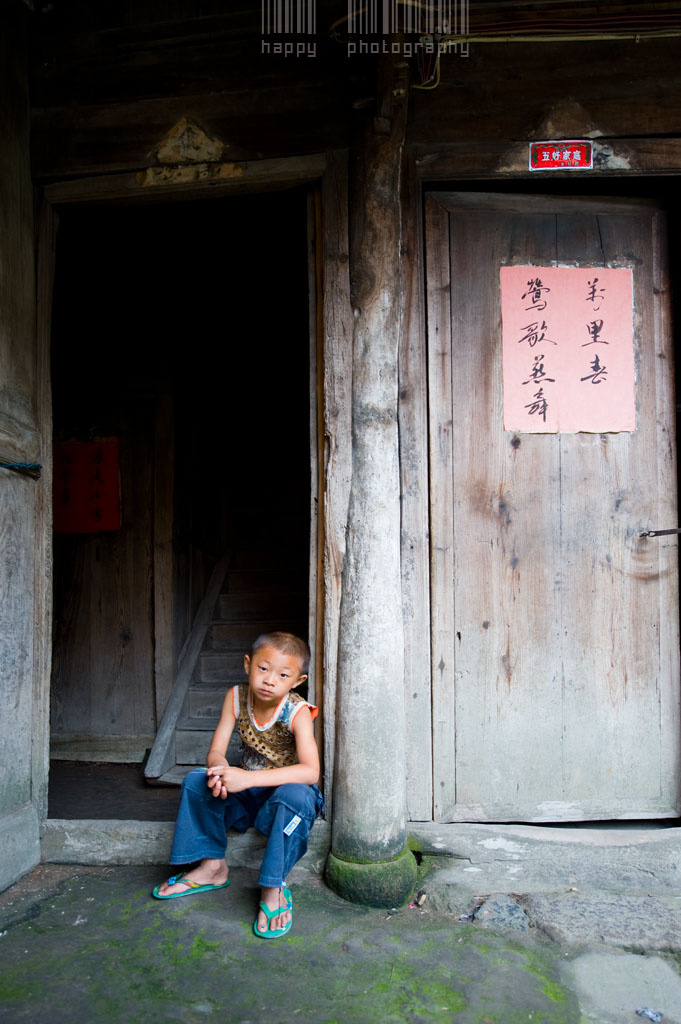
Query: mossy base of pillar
384	883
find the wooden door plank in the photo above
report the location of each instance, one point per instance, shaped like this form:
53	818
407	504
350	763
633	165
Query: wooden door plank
413	420
506	609
614	680
165	655
667	494
441	511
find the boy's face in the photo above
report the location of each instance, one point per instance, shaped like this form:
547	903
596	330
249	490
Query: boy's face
271	674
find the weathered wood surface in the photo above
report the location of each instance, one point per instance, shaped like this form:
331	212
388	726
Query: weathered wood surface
163	752
562	623
107	89
511	92
43	582
106	93
413	425
370	730
316	407
442	612
19	437
165	646
337	384
23	523
102	682
192	182
438	160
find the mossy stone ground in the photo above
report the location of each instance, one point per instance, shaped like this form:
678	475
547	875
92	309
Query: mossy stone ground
91	945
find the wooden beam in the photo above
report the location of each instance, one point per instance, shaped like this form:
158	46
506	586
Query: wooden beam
188	181
614	157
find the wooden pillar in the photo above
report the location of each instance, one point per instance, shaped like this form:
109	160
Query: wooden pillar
369	862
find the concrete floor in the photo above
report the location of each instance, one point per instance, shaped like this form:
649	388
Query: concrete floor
520	923
90	945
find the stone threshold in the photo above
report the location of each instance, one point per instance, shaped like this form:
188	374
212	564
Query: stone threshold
111	842
462	859
465	861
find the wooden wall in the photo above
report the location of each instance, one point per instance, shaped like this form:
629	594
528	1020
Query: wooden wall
489	104
24	561
110	81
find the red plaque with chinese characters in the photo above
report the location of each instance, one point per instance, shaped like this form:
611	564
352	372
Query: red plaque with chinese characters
565	154
86	488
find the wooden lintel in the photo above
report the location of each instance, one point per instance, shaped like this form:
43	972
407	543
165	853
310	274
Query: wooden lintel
614	157
163	182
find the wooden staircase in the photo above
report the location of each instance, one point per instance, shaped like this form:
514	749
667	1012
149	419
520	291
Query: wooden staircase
252	600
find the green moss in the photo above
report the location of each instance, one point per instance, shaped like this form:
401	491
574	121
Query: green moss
13	985
551	989
414	994
201	946
377	884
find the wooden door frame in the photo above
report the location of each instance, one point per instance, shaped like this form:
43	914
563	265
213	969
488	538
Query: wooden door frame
452	174
454	166
327	174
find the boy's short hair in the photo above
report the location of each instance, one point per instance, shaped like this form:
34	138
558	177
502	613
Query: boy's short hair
287	643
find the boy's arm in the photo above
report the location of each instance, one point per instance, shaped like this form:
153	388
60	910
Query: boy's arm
306	771
217	752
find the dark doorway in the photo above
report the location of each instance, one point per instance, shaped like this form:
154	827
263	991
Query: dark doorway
182	330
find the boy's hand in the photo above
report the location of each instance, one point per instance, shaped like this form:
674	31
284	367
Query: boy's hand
224	779
215	782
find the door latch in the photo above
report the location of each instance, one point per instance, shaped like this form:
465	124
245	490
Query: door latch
659	533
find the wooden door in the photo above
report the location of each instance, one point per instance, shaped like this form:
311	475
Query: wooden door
555	641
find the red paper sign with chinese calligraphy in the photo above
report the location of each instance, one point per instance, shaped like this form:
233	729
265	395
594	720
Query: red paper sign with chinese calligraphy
568	349
555	156
86	491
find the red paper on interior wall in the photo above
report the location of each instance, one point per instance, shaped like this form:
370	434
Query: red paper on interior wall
568	349
86	488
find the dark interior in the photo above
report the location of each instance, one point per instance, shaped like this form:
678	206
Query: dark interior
200	308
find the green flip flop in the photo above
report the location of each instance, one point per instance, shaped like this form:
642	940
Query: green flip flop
269	914
193	887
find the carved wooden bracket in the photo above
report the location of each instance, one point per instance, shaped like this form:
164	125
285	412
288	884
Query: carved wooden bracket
188	143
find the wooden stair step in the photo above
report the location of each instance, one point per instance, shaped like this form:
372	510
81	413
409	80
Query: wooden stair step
206	699
257	580
221	667
261	604
238	636
192	739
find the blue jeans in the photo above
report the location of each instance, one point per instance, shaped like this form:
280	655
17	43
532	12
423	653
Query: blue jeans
203	820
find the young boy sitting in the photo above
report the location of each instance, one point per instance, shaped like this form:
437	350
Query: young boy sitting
274	790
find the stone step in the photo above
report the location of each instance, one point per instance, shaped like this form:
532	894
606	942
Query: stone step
147	842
